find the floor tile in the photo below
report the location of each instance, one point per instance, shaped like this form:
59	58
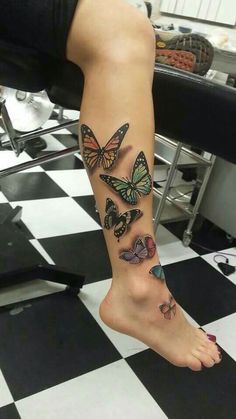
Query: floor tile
9	412
9	159
73	182
182	393
82	253
42	251
5	394
55	217
224	329
25	186
174	252
52	143
110	392
3	198
232	261
203	292
87	202
67	140
51	344
207	239
65	163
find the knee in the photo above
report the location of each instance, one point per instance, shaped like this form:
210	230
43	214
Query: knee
125	34
136	44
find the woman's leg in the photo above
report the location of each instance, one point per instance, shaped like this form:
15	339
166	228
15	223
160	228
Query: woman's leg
114	45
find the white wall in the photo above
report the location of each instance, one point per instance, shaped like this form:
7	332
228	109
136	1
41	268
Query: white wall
203	27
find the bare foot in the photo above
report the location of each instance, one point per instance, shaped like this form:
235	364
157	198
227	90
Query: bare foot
151	315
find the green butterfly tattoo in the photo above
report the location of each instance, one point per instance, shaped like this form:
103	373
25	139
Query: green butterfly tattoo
140	183
158	272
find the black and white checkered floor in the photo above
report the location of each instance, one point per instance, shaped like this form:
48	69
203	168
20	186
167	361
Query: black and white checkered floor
57	359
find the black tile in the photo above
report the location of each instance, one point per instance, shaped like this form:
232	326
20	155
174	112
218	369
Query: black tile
205	235
64	163
16	253
83	253
27	186
9	412
87	202
68	140
52	340
184	394
201	290
5	210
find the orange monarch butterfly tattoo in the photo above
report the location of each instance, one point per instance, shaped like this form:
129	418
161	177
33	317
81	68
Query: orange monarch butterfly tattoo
106	156
167	309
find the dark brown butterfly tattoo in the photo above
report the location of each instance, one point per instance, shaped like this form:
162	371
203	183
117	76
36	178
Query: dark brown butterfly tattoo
120	222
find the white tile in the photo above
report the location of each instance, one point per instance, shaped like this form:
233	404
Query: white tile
70	114
74	182
92	295
175	252
232	261
110	392
52	143
164	236
224	330
53	123
9	159
42	251
3	199
5	394
55	217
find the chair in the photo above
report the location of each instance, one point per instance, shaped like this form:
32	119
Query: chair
188	108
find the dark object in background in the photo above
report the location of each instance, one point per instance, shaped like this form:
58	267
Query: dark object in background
149	8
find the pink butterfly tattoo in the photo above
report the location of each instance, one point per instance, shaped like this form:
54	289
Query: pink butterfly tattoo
167	309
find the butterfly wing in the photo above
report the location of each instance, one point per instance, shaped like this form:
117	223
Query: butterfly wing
124	220
122	187
110	151
91	148
111	214
136	254
168	310
158	272
141	177
129	256
150	245
140	249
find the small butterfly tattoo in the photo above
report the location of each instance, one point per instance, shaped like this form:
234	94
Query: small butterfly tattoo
106	156
139	184
120	222
168	309
158	272
144	247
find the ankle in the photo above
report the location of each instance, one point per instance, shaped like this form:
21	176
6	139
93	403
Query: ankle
137	288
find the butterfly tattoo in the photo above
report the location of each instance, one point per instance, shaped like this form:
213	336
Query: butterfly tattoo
106	156
167	309
158	272
120	222
144	247
140	183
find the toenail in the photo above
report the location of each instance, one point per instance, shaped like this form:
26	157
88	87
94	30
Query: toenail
219	351
212	338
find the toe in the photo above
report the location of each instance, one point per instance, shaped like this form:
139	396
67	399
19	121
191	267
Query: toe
204	358
214	351
194	364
